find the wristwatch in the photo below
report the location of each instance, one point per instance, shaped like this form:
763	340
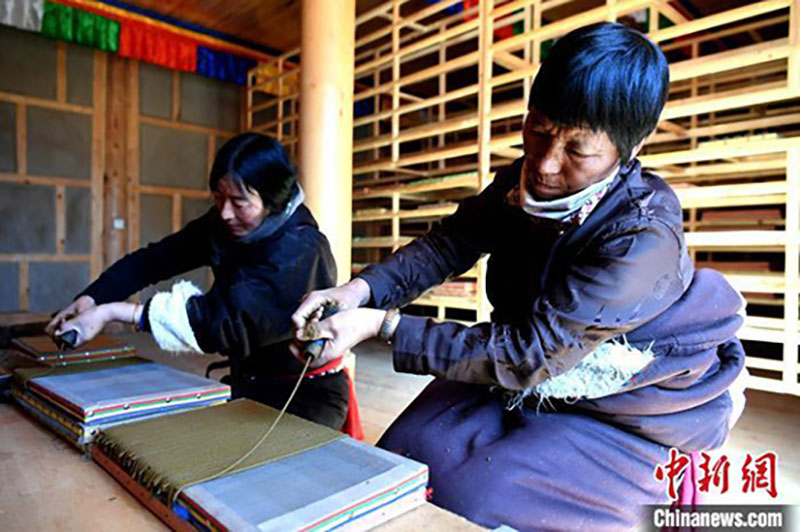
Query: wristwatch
389	325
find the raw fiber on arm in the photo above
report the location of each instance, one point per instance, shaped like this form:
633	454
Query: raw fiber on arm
169	320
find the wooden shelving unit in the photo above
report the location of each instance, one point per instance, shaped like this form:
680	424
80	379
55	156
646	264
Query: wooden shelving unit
441	96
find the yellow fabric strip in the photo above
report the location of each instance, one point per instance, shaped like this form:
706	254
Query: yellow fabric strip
171	453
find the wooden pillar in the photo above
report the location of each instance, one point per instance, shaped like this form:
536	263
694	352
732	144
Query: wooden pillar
326	120
115	186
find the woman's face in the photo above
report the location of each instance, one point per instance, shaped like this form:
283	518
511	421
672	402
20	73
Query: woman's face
241	209
562	161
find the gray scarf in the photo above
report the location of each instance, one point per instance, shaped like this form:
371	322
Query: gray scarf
275	220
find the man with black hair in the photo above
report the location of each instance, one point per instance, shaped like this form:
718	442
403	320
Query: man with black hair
605	347
266	252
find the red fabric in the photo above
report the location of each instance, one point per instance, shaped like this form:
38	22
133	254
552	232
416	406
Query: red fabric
352	424
157	46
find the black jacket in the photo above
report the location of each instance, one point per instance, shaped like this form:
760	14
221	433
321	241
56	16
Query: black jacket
246	314
557	291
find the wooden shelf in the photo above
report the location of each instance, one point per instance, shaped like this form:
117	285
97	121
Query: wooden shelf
380	242
465	180
737	240
425	212
465	303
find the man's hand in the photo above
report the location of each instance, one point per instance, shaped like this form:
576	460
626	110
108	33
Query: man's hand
341	332
78	306
345	297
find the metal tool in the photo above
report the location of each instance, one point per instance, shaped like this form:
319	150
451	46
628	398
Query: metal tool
66	340
314	348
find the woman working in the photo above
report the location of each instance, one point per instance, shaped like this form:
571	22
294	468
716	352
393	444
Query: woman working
266	252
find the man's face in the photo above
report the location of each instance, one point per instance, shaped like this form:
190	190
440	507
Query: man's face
562	161
241	209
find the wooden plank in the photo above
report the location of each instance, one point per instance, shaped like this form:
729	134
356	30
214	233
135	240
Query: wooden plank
22	138
98	162
61	219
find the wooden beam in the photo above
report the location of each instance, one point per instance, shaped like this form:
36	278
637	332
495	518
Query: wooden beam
172	191
44	180
132	161
683	43
184	126
734	59
98	162
791	298
115	187
177	212
24	285
47	104
719	19
561	27
22	138
42	257
511	61
61	219
176	96
61	72
674	128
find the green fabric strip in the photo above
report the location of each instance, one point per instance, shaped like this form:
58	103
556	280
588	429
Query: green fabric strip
73	25
58	22
23	375
170	453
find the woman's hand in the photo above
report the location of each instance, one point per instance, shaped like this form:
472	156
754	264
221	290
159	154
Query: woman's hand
88	323
345	297
341	332
78	306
